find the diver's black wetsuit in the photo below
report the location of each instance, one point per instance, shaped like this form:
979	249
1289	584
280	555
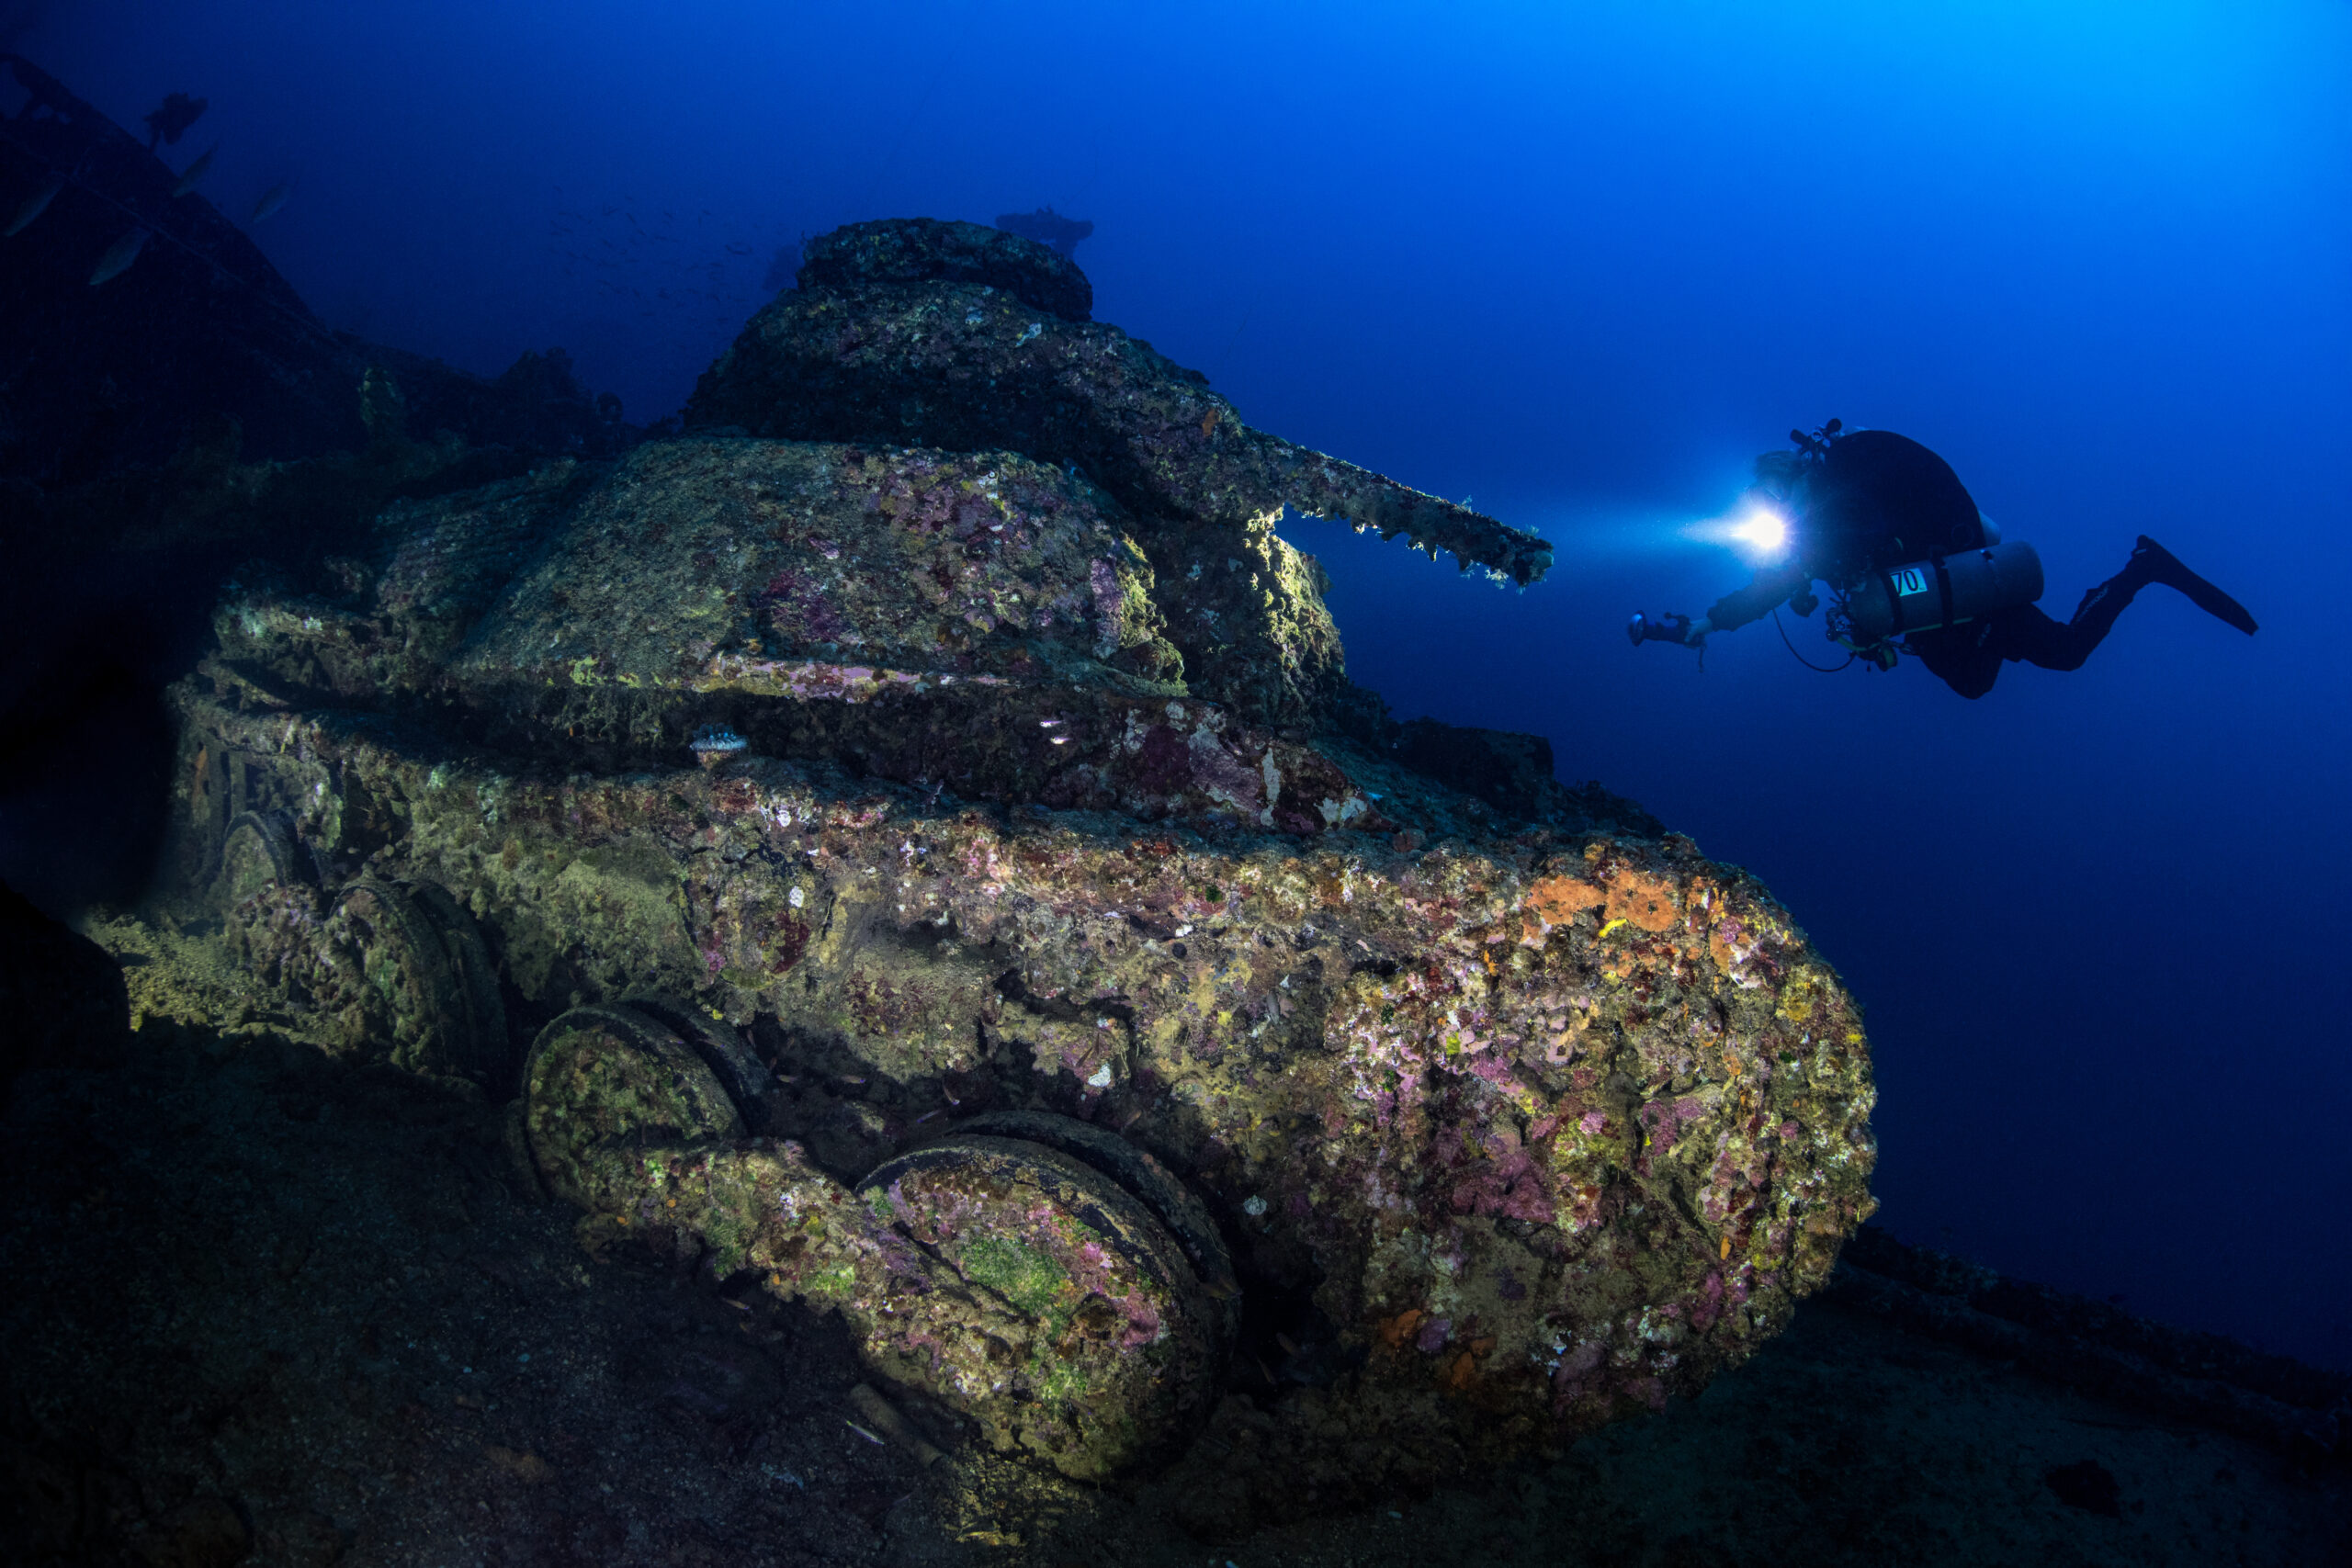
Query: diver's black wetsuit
1878	499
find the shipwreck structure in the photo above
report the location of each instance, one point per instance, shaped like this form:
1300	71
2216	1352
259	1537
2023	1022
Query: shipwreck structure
912	836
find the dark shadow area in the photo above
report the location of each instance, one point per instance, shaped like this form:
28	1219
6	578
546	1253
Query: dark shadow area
172	410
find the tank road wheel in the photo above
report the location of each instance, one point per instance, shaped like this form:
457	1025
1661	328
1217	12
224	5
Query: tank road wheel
1015	1281
1060	1312
409	974
269	906
718	1043
258	853
603	1083
1152	1183
480	1047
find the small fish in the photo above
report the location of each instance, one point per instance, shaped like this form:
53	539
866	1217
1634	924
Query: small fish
272	199
36	204
118	256
196	172
714	746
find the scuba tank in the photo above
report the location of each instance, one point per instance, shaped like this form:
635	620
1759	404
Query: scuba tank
1939	592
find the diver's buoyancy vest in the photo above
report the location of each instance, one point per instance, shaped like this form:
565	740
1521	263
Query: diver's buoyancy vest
1941	591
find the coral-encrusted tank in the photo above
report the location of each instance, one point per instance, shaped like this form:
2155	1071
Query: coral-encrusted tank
1045	959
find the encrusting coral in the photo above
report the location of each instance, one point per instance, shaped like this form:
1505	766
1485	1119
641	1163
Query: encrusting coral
1511	1112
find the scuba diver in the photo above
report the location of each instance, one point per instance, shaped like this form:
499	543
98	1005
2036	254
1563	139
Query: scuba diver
1913	568
169	121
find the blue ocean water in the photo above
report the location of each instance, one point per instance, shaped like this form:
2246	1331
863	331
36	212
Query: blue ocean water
1580	265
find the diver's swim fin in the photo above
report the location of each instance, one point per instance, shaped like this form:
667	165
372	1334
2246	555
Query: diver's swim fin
2156	564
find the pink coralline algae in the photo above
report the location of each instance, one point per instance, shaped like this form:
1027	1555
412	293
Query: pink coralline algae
799	610
1663	1121
1518	1112
1496	1175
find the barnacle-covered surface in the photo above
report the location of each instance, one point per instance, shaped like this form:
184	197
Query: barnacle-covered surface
1515	1113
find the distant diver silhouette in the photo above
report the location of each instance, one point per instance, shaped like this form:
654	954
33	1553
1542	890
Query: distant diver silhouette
1047	227
1912	567
170	121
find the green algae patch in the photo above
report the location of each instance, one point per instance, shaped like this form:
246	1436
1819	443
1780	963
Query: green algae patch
1021	1275
1066	1382
835	1283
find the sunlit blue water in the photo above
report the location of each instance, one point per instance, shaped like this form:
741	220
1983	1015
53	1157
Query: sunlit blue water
1581	263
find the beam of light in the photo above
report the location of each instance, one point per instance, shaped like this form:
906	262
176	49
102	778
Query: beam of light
1764	533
